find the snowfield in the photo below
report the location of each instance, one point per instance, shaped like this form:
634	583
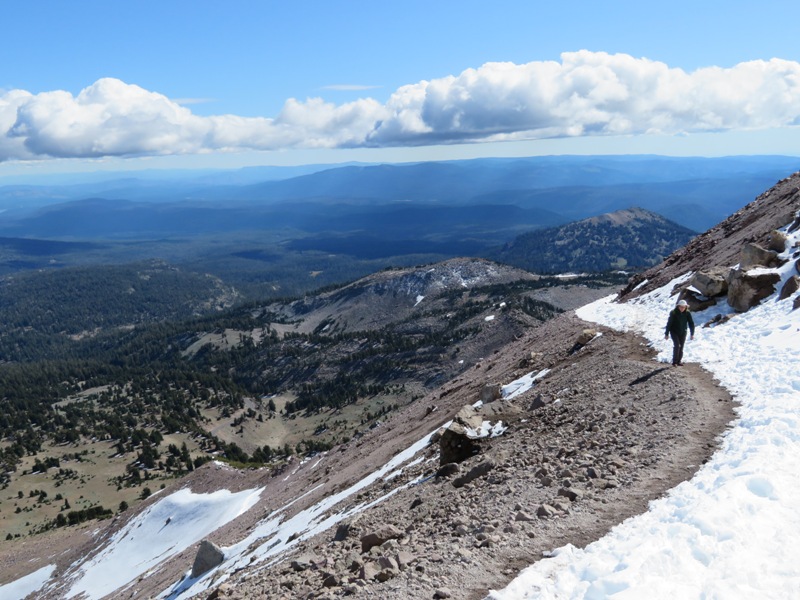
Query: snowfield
166	528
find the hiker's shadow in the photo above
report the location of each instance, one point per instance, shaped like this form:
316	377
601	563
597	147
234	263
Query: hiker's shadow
644	378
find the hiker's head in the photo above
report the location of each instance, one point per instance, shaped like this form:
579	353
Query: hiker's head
682	305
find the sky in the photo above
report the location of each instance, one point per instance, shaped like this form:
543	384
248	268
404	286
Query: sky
730	532
97	85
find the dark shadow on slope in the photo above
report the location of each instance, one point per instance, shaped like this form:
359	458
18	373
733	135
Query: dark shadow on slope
647	377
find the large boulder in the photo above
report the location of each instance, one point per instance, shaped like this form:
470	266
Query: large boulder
455	445
777	241
747	289
790	287
469	417
696	300
712	282
795	224
753	255
500	410
208	556
463	437
491	392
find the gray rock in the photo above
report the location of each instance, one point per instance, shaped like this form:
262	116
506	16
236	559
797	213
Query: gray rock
448	470
368	571
777	241
404	559
385	575
545	510
790	287
208	556
712	282
388	562
343	531
500	411
540	401
795	224
353	562
745	291
304	562
523	516
469	417
379	536
571	493
697	302
490	392
753	255
456	446
478	470
442	592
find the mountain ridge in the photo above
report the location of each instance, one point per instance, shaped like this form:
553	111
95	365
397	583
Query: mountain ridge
628	238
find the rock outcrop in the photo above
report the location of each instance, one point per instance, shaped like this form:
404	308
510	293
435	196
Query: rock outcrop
209	555
746	289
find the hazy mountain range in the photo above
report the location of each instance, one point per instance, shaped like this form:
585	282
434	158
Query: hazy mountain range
287	230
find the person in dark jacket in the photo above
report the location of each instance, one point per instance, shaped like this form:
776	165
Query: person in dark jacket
679	320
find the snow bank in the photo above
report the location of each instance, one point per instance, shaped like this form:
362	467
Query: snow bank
166	528
24	586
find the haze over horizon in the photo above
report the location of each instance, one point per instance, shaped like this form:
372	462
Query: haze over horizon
130	87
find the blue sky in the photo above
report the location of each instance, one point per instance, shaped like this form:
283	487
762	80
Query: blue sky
97	85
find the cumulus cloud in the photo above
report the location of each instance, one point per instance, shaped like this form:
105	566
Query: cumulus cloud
585	94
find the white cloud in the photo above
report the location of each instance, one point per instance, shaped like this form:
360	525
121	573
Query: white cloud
586	94
592	94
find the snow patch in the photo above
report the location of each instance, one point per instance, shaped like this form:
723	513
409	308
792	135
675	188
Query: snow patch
27	585
486	430
522	385
162	530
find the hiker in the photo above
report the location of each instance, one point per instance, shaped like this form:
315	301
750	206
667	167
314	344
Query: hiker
679	319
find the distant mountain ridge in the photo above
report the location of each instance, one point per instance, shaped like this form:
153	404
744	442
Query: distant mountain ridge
630	238
289	231
714	186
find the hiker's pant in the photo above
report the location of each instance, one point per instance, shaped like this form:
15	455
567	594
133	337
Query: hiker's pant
678	340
